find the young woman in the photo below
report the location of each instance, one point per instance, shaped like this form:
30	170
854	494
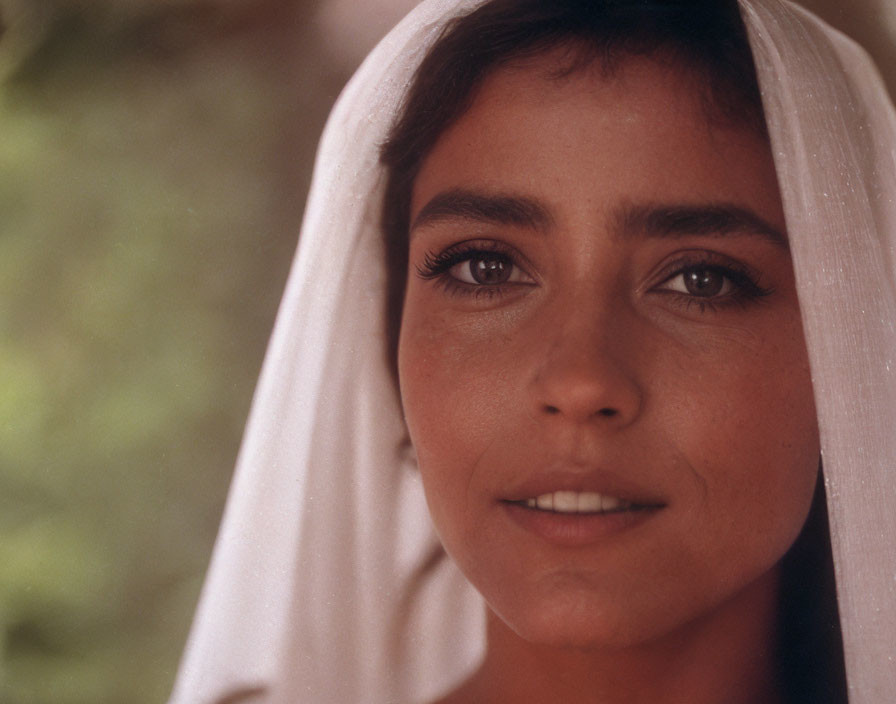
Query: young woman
623	305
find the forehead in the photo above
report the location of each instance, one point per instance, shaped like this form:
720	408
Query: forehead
587	139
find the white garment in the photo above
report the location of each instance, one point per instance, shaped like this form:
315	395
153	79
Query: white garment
326	584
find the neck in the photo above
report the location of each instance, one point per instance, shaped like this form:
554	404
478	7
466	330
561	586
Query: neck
726	656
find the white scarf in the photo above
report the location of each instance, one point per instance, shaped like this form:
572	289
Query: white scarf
326	584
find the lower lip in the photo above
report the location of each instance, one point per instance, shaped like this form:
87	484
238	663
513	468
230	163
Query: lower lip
577	529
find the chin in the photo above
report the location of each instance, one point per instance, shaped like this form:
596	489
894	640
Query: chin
572	619
571	615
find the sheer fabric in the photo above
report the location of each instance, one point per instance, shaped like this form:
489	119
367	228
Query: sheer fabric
327	582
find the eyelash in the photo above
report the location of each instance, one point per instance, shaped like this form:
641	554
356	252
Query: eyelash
746	284
436	266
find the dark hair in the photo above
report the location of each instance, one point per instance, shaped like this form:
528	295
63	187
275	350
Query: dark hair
810	645
705	36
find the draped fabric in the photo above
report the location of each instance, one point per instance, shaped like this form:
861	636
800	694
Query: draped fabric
833	134
327	582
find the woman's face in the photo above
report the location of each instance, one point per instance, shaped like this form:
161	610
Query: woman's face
601	358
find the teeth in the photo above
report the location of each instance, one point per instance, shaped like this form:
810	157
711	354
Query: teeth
565	501
610	503
590	503
577	502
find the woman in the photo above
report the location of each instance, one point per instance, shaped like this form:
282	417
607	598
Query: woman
354	603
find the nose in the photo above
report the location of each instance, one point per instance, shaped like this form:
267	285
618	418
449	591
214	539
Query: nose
588	371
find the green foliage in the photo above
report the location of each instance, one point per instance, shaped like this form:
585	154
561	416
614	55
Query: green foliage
144	242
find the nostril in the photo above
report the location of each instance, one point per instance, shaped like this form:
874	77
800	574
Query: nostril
605	412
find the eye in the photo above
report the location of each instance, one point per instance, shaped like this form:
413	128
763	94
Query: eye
487	269
711	281
483	266
702	282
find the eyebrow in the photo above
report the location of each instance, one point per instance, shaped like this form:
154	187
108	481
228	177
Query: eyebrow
710	220
462	204
631	220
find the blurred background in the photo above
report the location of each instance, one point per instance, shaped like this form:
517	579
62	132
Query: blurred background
154	156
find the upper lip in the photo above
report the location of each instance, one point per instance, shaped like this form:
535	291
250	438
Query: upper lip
581	479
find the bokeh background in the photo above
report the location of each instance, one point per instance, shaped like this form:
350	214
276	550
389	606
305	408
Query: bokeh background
154	156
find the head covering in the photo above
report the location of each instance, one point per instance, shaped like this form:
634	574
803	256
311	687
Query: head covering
327	583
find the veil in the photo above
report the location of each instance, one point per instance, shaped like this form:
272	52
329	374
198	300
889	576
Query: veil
327	582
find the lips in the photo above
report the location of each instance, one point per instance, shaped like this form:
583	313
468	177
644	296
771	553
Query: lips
582	490
573	505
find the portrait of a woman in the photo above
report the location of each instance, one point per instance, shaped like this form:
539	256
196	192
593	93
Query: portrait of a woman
583	385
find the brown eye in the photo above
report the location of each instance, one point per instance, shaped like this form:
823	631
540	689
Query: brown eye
705	282
701	282
488	269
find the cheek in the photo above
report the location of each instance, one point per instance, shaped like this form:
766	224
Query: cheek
441	412
456	375
460	387
433	380
747	432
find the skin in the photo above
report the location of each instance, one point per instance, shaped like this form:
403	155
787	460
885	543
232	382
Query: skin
594	366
